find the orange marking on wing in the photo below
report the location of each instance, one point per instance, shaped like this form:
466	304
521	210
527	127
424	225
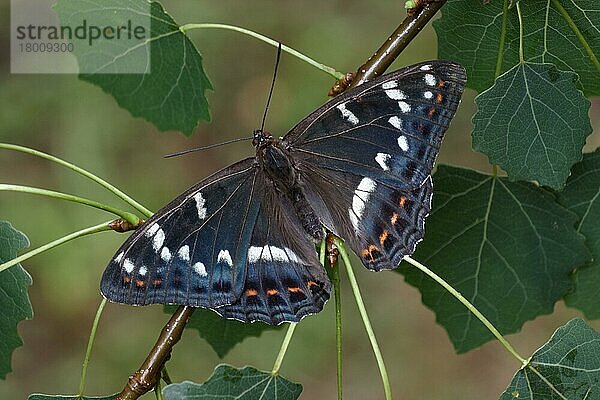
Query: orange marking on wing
140	283
402	201
126	279
272	292
250	292
295	290
369	252
311	284
394	218
157	282
441	83
439	97
383	237
431	112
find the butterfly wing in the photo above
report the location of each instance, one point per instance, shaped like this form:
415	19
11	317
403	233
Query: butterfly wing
284	278
193	250
366	157
229	243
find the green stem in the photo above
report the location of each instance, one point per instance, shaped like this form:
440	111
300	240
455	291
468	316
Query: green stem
469	306
283	349
580	37
521	58
158	390
88	350
502	40
318	65
131	218
365	318
83	172
335	275
87	231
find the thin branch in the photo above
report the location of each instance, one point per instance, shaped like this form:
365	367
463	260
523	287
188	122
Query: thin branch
105	226
127	216
365	317
81	171
283	349
88	350
379	62
146	378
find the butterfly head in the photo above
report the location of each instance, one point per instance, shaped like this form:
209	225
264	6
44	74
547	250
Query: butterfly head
261	139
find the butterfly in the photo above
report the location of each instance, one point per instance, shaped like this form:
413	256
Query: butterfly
242	241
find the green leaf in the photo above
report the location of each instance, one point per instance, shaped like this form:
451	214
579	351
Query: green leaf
582	196
228	382
172	94
507	247
533	123
37	396
567	367
484	38
14	300
222	334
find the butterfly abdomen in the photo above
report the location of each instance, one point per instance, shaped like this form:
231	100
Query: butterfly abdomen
309	219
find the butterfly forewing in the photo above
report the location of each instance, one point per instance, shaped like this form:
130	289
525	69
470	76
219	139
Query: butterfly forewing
193	250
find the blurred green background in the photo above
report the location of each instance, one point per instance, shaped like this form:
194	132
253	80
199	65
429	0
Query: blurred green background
76	121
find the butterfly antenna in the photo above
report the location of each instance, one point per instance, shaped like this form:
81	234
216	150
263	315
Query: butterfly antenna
210	146
262	125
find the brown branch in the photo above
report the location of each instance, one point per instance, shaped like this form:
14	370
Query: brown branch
380	61
149	373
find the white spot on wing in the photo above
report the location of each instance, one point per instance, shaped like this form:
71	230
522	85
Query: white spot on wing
404	106
396	122
158	240
428	95
119	257
184	253
128	265
225	257
165	254
389	85
272	253
430	79
200	201
360	198
347	114
395	94
200	269
402	142
143	271
382	159
152	230
425	68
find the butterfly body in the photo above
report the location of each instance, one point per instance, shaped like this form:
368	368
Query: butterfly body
242	241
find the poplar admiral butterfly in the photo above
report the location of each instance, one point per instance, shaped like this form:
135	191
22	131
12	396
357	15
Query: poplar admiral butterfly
242	241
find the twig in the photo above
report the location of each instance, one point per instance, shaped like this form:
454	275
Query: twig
379	62
149	373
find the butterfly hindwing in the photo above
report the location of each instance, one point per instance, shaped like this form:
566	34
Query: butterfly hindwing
191	251
284	278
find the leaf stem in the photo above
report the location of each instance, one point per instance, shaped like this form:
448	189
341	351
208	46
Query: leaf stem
83	232
469	306
81	171
365	317
283	349
521	58
318	65
502	40
90	344
335	275
129	217
577	33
